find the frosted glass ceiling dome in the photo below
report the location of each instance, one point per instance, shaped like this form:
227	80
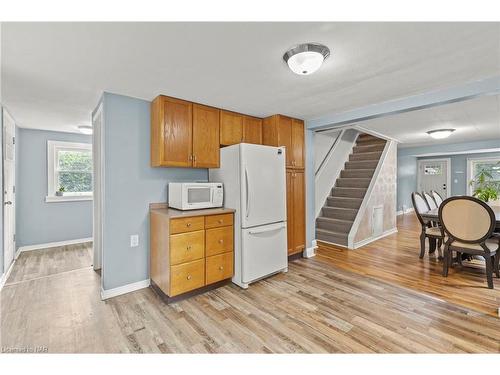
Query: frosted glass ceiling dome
306	58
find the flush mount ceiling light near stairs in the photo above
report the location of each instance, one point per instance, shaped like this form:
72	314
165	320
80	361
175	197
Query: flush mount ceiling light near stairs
306	58
440	133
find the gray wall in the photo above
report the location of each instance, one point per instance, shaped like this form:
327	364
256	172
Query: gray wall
130	186
407	166
38	222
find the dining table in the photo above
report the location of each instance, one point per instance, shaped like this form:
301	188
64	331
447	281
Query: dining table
433	215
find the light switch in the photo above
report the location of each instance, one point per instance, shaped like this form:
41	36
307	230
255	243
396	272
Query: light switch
134	240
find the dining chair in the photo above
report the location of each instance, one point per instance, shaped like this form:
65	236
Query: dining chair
437	197
468	224
430	200
434	234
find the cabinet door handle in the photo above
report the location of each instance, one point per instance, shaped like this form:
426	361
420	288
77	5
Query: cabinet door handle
220	221
188	247
188	225
189	277
190	157
194	158
221	241
221	267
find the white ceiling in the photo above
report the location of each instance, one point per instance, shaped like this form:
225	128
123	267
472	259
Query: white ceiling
474	120
54	73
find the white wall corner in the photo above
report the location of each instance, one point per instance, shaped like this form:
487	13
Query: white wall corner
110	293
309	252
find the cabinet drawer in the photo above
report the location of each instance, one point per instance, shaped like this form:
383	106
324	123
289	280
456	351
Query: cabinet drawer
188	224
219	267
213	221
185	247
219	240
187	276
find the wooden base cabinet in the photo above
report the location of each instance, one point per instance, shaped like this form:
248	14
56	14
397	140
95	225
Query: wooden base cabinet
190	250
295	205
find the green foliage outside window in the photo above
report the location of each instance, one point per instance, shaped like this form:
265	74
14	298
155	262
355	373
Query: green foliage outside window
75	171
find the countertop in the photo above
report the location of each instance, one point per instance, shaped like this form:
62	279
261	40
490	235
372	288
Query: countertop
172	213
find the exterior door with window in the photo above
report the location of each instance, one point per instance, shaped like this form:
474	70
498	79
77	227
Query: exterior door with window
9	201
433	175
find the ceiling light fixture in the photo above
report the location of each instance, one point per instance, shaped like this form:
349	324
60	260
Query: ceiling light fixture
440	133
306	58
85	129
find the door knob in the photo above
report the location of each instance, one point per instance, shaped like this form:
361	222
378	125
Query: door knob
8	202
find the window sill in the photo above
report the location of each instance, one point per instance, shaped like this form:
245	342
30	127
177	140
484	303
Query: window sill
68	198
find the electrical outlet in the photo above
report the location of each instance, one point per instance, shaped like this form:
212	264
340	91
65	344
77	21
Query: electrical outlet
134	240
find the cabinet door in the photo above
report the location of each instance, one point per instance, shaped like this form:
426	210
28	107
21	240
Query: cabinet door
176	137
299	217
289	211
205	137
297	143
252	130
231	128
285	137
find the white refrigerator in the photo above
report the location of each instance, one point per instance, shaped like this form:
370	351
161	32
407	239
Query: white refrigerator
254	181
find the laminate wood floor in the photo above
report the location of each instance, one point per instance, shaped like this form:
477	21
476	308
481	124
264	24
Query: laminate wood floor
315	307
44	262
395	259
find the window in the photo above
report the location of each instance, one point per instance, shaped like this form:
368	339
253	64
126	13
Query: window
69	171
433	169
490	165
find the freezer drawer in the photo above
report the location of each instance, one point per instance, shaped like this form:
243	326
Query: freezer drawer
264	251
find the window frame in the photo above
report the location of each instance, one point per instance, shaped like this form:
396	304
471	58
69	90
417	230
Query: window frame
470	169
52	148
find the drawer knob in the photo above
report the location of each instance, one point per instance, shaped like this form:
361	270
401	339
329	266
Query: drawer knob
221	241
220	221
188	225
189	277
221	267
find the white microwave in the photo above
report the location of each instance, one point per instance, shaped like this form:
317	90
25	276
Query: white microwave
195	195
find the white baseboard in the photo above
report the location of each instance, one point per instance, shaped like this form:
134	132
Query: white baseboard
407	211
309	252
110	293
6	275
371	239
53	244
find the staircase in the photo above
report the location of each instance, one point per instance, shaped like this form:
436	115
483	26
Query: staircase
341	207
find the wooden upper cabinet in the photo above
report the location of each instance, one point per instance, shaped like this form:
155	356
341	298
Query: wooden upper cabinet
252	130
171	132
205	136
231	128
297	143
184	134
279	130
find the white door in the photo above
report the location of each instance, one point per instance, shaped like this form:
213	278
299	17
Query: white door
97	183
434	174
263	181
264	251
9	178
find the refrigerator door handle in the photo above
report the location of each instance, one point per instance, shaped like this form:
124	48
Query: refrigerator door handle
248	194
267	230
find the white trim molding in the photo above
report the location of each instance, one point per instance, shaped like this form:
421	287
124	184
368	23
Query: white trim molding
6	275
53	244
407	211
371	239
68	198
110	293
310	252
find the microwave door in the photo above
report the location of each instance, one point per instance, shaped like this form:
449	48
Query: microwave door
198	196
